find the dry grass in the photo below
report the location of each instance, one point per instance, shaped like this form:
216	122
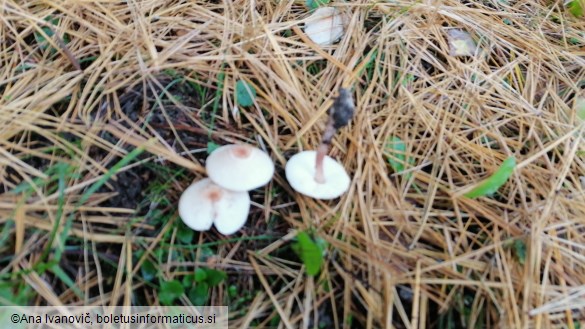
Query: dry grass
407	251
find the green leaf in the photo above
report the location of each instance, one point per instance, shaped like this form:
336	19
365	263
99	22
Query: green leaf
169	291
41	268
211	146
148	270
370	60
245	93
520	251
397	154
275	321
9	297
184	234
577	7
397	157
232	291
349	320
200	275
205	252
159	253
6	290
49	32
314	4
199	294
408	79
309	252
491	184
215	277
188	280
40	37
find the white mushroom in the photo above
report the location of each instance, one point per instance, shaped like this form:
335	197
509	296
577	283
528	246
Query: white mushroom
204	203
461	43
301	171
313	173
325	26
239	167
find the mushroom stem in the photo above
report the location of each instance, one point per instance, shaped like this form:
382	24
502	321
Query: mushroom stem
322	151
339	115
319	174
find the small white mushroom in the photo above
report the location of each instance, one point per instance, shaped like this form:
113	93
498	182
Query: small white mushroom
204	203
461	43
239	167
300	172
325	26
313	173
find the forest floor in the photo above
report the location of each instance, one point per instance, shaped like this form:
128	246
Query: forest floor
108	110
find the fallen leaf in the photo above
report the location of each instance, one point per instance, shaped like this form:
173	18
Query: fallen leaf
576	7
245	93
491	184
310	252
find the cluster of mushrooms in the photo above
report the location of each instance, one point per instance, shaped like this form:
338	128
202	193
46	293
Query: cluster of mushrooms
234	170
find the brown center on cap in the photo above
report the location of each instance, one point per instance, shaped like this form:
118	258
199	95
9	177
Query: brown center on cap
214	194
242	151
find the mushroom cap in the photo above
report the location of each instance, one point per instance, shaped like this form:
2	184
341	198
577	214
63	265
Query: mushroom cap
325	26
239	167
300	173
204	203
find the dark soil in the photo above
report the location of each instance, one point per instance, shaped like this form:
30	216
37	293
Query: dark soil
140	106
